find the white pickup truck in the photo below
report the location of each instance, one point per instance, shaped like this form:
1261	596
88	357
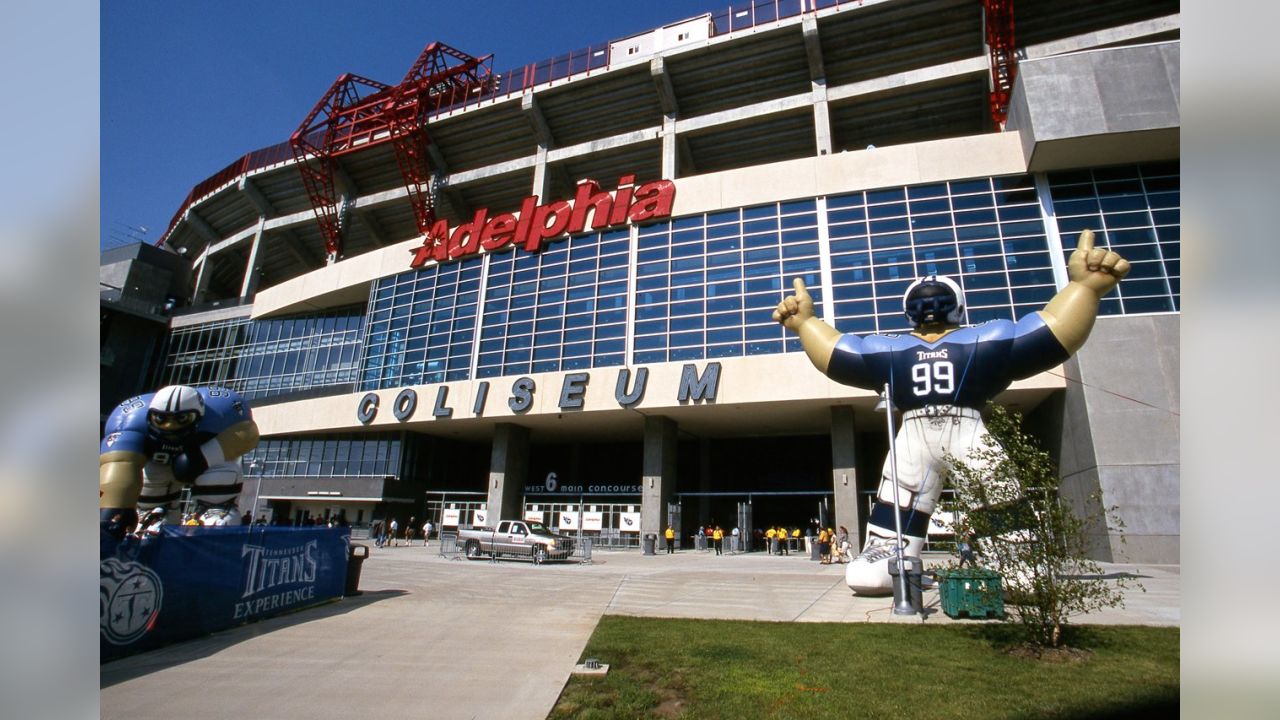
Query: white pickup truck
515	537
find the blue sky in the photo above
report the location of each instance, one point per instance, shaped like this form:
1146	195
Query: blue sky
190	86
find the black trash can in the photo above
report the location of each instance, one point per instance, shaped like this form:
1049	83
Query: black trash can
354	563
815	550
650	540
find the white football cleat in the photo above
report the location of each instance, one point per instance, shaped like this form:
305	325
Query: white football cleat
868	573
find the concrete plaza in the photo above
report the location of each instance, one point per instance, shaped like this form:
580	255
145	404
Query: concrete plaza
446	638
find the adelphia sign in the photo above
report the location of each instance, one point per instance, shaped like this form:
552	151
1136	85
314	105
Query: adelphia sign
535	223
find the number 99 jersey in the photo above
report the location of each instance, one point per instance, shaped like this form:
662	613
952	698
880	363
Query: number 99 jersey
965	368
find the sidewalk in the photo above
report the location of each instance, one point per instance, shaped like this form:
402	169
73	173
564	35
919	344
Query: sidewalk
441	638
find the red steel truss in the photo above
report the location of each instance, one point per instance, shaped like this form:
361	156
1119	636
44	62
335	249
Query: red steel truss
998	19
358	113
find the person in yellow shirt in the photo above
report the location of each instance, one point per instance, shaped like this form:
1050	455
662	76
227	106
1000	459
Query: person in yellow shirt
769	536
782	541
717	537
824	547
671	540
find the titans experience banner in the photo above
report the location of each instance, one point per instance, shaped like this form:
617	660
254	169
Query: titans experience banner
189	582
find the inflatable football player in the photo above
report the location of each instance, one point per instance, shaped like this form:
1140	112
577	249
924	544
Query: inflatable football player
155	444
940	376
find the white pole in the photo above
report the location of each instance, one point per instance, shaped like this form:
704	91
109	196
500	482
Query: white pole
257	490
902	606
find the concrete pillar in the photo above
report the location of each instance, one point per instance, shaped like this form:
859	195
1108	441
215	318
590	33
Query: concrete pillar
202	280
818	83
821	117
508	470
844	472
669	147
704	481
251	275
540	184
659	478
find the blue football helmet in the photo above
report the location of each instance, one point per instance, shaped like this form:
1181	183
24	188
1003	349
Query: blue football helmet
175	410
934	299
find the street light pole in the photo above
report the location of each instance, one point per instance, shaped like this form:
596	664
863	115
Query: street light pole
902	596
257	490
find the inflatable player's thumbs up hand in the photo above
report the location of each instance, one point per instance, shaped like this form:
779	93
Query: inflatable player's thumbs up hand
795	309
1098	269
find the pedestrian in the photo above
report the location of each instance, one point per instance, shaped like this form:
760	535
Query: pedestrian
965	546
117	528
717	536
375	532
783	540
700	542
737	541
824	547
395	527
671	540
426	532
842	544
152	523
410	529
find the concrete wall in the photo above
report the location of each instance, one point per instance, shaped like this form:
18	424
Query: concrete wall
130	349
1120	438
144	273
1100	107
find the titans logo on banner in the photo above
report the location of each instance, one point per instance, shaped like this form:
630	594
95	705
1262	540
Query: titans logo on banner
129	602
273	569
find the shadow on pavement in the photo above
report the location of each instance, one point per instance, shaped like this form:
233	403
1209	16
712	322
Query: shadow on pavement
145	663
1107	576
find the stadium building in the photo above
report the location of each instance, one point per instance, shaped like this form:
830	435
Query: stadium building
547	292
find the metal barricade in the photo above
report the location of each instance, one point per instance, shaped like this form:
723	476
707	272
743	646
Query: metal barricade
448	544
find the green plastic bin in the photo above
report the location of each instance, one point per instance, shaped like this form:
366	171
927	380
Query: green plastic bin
973	593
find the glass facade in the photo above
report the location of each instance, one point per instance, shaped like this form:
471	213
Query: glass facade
986	234
1135	210
422	326
330	455
560	309
261	358
704	286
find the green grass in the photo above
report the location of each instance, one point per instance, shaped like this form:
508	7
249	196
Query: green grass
707	669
